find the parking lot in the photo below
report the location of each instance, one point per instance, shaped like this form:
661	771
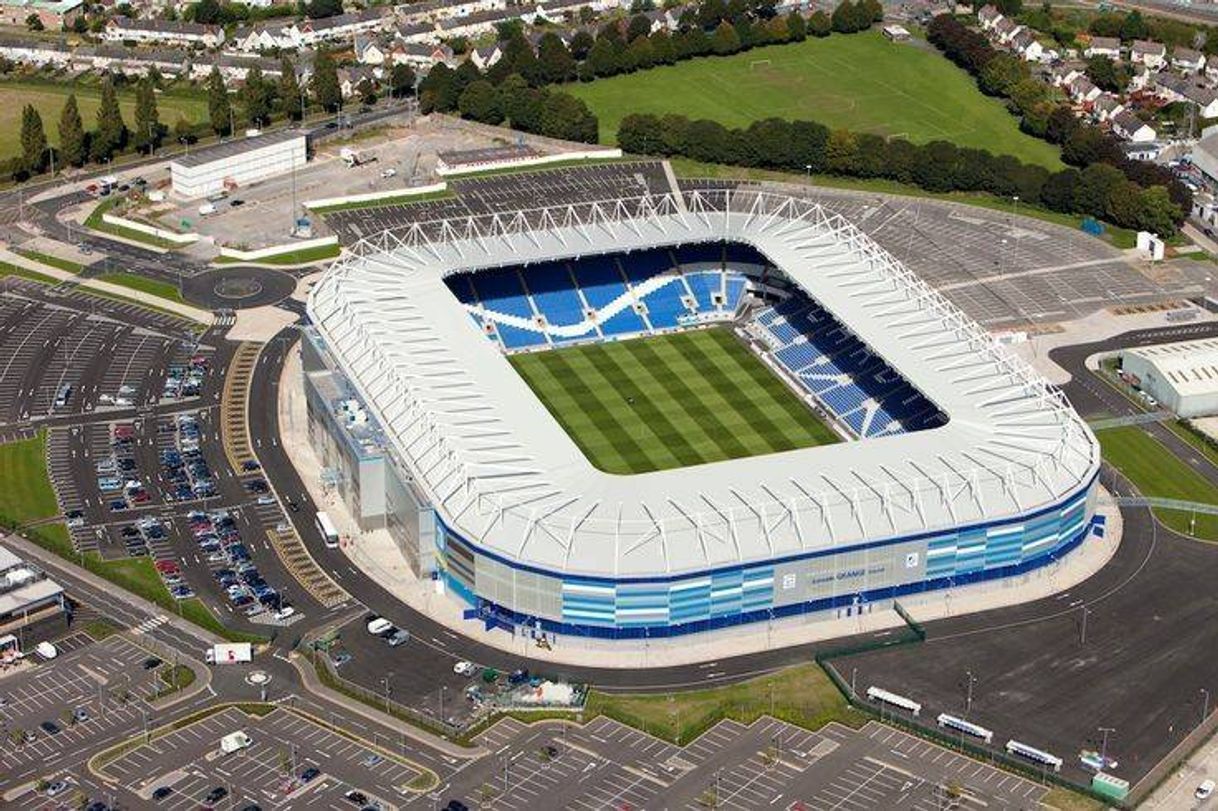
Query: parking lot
93	691
768	764
276	768
479	196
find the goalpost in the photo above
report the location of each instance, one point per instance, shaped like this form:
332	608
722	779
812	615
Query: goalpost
756	62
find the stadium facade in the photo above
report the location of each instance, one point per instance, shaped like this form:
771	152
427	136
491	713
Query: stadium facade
962	465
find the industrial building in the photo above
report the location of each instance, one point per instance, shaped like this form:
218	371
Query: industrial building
962	465
239	162
1182	376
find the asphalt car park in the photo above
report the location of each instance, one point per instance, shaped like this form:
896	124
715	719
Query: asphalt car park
91	692
768	764
289	762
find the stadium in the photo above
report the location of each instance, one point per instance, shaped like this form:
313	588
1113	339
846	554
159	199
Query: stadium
669	414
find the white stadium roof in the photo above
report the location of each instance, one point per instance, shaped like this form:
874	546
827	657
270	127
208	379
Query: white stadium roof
503	473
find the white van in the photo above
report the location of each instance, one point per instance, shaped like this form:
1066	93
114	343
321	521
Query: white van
234	742
1204	790
379	625
46	650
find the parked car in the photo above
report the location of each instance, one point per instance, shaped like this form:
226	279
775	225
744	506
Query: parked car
49	727
57	788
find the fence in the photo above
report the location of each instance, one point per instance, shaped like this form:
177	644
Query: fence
161	233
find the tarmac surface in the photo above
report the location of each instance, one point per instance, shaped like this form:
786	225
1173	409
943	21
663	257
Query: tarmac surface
238	287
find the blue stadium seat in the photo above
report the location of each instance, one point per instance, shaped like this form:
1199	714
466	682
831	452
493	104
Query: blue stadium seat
516	338
599	279
664	305
627	322
700	254
500	290
554	293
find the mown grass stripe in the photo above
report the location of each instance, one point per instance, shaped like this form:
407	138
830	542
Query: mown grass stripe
644	404
699	406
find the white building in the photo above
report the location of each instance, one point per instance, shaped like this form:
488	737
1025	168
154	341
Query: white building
125	29
1145	52
1103	46
1183	376
27	595
237	163
1128	126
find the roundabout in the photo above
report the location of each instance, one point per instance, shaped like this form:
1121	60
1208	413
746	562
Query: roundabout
238	288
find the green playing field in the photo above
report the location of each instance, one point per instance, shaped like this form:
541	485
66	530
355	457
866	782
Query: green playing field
669	401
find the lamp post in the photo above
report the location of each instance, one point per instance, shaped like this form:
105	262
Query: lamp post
968	698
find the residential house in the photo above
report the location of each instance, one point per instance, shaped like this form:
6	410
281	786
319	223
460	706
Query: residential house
436	10
1188	60
1006	29
1026	45
35	52
1139	78
311	32
128	61
1128	126
179	32
558	11
350	79
1103	46
1151	54
416	32
472	25
368	51
1171	87
423	56
1141	151
1062	75
988	17
1105	107
486	56
1082	91
265	37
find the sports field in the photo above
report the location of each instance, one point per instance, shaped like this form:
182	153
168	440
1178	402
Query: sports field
669	401
859	82
49	99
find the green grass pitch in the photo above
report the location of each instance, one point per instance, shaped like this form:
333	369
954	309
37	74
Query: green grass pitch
670	401
859	82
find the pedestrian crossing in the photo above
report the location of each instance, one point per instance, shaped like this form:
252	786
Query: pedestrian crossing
148	625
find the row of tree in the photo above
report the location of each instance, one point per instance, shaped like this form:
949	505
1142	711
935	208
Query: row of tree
1042	114
798	146
512	101
78	145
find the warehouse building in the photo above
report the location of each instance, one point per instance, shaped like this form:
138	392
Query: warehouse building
1183	376
27	595
238	163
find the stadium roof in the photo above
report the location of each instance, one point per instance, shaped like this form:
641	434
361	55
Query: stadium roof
503	473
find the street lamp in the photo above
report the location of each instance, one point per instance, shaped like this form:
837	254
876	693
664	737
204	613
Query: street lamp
1205	707
385	684
968	698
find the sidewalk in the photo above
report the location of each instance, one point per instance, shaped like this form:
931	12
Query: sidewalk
378	556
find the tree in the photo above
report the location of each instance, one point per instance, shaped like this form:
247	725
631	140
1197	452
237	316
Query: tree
819	24
841	153
147	119
1107	75
326	91
219	108
34	23
480	101
1009	8
581	43
291	100
72	134
324	8
640	26
437	91
1096	186
725	40
401	80
1156	212
33	140
555	63
1134	27
1001	74
797	29
602	59
367	91
640	134
255	97
111	133
80	25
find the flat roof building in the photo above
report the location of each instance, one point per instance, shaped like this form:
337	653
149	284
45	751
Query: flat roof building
27	595
1183	376
237	163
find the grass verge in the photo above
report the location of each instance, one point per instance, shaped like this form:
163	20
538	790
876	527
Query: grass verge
1120	238
173	679
53	261
152	287
9	269
802	695
95	222
100	629
290	257
1063	799
1158	473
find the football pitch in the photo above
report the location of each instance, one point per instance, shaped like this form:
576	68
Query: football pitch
859	82
670	401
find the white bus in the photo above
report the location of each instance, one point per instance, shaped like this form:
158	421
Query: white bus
328	533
